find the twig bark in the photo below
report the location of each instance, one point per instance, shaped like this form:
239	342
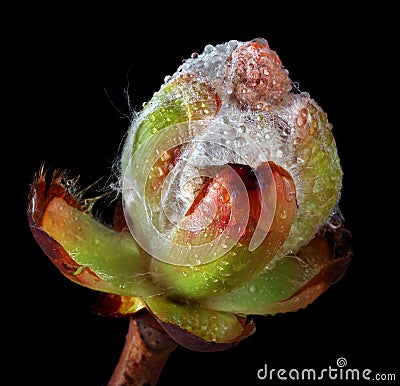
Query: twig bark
144	355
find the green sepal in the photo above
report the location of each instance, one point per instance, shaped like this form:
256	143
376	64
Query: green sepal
210	325
85	250
293	283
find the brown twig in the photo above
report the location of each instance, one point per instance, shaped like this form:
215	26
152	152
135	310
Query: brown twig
146	350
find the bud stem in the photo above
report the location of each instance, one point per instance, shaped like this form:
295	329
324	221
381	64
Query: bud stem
146	350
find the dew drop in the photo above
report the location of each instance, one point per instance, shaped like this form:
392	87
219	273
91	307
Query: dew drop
239	141
208	48
288	188
225	119
302	117
216	185
313	127
253	289
261	106
225	197
166	156
232	44
160	171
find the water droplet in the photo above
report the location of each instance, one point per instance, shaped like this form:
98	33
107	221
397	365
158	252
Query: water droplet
313	126
232	44
152	117
302	117
208	48
288	188
223	141
239	141
184	273
260	105
166	156
194	55
216	185
160	171
225	197
253	288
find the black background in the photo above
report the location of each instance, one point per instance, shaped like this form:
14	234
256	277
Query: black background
70	71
